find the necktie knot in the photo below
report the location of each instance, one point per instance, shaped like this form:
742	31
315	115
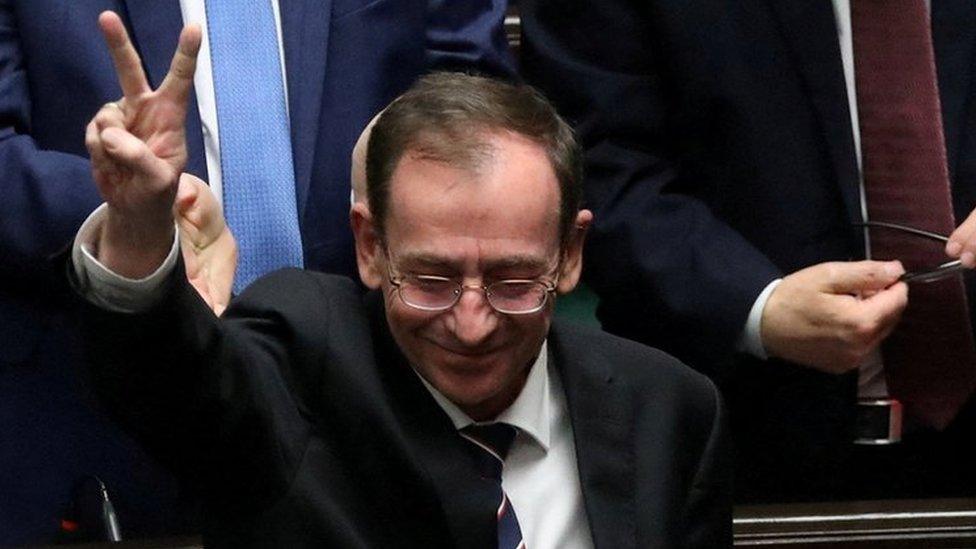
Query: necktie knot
489	444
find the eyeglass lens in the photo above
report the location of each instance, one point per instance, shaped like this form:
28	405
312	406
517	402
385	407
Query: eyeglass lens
506	296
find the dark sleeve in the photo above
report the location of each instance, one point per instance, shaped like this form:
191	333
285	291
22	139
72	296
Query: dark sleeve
45	194
669	272
707	513
468	36
218	400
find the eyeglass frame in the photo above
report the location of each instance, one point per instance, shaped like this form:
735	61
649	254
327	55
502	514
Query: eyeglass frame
396	280
932	274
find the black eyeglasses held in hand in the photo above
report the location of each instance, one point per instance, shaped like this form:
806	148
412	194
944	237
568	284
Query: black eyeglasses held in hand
931	274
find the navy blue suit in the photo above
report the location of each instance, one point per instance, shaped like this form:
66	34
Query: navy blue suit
720	156
345	60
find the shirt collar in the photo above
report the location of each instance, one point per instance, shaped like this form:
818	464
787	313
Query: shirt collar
530	412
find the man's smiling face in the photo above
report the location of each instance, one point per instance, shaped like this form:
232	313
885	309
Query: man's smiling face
477	226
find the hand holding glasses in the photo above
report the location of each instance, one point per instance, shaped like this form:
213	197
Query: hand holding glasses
931	274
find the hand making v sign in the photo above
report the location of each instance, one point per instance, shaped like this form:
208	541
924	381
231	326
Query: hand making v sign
138	151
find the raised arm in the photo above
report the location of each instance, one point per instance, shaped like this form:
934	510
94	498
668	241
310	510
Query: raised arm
170	371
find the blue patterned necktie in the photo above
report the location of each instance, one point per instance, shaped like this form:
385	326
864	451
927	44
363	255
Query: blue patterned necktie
489	444
255	145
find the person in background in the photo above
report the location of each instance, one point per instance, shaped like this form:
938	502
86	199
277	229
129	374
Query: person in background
317	70
762	175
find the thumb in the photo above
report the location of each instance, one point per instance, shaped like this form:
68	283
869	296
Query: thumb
858	277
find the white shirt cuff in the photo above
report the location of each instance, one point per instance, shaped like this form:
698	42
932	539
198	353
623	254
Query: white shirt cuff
751	339
109	290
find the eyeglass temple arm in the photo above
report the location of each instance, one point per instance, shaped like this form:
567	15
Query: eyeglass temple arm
937	273
905	228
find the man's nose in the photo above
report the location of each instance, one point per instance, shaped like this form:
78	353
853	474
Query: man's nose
474	320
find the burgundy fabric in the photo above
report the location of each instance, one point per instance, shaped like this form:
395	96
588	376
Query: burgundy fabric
930	360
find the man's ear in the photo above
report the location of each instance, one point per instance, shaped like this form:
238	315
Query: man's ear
368	246
572	263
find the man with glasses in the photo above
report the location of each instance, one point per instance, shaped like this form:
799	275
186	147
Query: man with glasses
283	89
444	408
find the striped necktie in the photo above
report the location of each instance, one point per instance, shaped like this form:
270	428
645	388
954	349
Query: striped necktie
255	144
489	444
930	359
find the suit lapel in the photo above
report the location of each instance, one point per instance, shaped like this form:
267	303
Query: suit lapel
155	30
305	35
465	498
437	450
954	37
810	29
604	449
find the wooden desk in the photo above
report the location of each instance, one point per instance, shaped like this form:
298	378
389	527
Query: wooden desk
866	524
894	523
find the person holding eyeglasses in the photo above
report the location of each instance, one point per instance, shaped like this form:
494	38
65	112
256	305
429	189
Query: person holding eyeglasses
445	408
783	196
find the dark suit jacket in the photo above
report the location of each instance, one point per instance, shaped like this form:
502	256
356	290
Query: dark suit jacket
720	156
345	60
306	426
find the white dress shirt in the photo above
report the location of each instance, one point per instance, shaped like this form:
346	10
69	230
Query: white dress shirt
540	474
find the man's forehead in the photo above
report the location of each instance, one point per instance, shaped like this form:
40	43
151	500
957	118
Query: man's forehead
504	213
443	259
479	155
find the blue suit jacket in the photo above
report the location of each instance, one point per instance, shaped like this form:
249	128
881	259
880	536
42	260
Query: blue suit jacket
345	60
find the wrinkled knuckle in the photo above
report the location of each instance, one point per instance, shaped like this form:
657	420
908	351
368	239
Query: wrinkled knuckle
182	70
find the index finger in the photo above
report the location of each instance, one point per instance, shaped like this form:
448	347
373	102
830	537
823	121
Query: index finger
179	79
128	66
